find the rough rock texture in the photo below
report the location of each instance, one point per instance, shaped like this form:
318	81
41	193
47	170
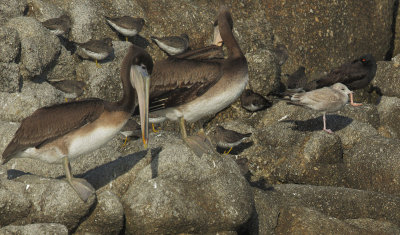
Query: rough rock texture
375	226
43	228
372	165
389	113
180	192
17	106
345	203
64	67
106	218
10	9
39	47
396	49
43	10
386	78
9	77
13	203
318	36
9	44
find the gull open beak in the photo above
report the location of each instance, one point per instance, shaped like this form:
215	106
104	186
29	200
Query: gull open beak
141	80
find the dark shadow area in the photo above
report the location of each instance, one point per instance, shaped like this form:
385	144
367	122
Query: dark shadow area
139	41
389	53
13	174
237	149
154	161
104	174
333	122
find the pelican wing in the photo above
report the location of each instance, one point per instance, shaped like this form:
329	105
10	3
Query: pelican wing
48	123
178	81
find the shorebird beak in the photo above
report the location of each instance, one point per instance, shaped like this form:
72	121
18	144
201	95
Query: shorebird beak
141	80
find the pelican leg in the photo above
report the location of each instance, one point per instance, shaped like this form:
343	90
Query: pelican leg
182	127
352	102
154	129
327	130
81	186
227	152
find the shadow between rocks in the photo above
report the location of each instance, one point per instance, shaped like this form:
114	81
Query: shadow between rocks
333	122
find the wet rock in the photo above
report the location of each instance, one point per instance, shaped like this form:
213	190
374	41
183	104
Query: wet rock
319	35
302	220
40	228
13	203
344	203
53	201
17	106
9	44
11	9
180	192
9	77
386	78
39	47
389	113
375	226
372	165
107	217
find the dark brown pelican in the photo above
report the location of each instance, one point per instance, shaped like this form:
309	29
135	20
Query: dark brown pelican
61	132
188	89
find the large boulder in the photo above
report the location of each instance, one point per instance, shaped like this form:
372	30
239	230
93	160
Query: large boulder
10	9
9	44
9	77
40	228
389	112
386	78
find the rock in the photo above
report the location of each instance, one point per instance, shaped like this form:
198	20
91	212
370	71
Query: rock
39	47
17	106
386	78
354	133
372	165
344	203
302	220
13	203
53	201
105	82
11	9
319	35
64	67
389	113
9	44
375	226
43	228
9	77
366	113
107	217
44	10
7	129
180	192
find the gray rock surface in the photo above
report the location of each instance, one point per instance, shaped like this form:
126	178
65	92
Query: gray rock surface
318	36
185	193
9	44
64	67
10	9
40	228
39	47
9	77
375	226
386	78
43	10
17	106
389	113
106	218
14	204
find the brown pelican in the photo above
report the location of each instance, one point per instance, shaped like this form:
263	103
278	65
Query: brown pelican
189	89
61	132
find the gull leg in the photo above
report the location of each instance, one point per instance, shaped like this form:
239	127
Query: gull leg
81	186
327	130
352	103
227	152
97	64
154	129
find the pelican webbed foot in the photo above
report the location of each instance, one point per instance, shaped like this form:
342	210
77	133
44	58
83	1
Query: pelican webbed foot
83	188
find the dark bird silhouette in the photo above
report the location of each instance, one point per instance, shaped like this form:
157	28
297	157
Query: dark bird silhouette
297	79
253	102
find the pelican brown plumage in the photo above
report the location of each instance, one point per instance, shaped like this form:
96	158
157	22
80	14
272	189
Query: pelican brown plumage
64	131
190	89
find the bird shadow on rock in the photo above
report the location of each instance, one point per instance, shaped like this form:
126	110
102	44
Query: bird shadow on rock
333	122
237	149
104	174
13	174
155	153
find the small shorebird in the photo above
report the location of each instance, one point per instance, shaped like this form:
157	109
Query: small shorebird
228	138
325	100
172	45
61	132
253	102
97	49
59	26
72	88
130	129
126	25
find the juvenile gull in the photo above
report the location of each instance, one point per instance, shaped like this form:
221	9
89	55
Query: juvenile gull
325	100
228	138
252	101
172	45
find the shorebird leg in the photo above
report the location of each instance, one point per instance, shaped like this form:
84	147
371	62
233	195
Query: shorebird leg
126	38
227	152
327	130
154	129
97	64
352	103
66	100
126	140
81	186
